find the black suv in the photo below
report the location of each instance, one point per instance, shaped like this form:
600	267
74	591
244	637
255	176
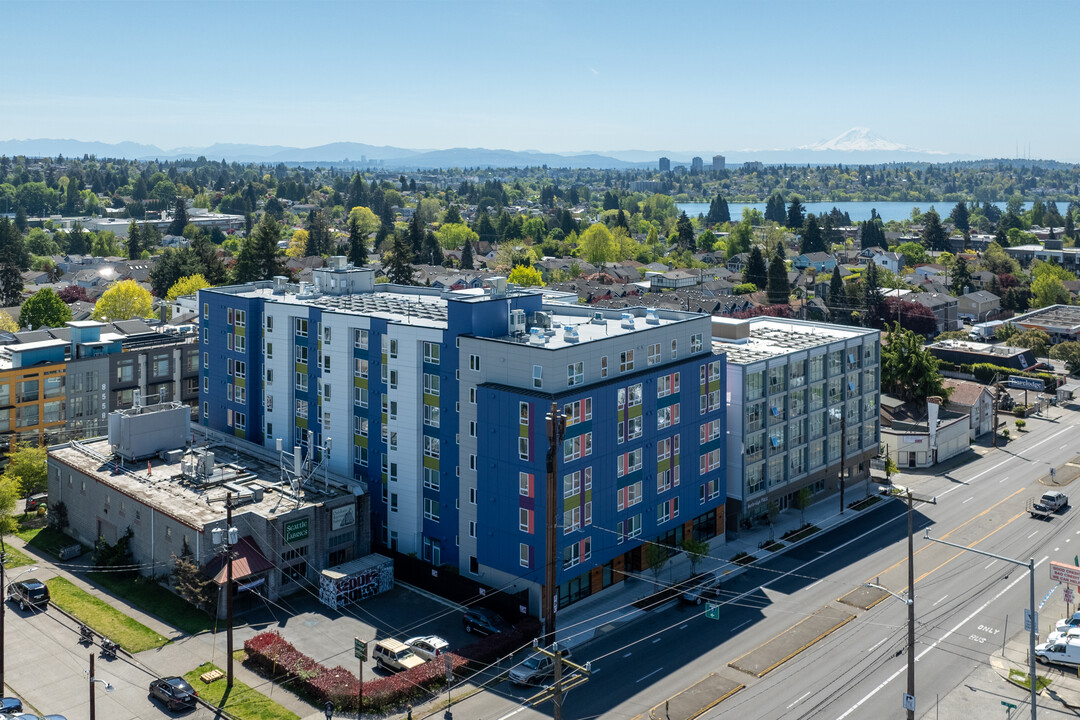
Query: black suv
174	692
29	593
483	621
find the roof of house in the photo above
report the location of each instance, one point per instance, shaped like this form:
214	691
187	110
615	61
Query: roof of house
964	392
981	296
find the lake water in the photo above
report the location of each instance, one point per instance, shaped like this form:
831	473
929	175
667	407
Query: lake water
858	211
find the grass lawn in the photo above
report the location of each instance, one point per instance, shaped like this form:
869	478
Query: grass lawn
132	635
46	539
243	702
150	597
1019	677
17	558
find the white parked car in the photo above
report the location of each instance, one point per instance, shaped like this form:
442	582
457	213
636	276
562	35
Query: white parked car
428	647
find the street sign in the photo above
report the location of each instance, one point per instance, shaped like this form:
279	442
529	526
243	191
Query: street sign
1008	705
909	702
360	649
712	611
1026	383
1027	620
449	667
1068	595
1062	573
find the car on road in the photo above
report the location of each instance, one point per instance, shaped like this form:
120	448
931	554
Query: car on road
428	647
1069	622
10	705
1064	634
395	655
701	590
37	500
535	669
483	621
29	593
174	692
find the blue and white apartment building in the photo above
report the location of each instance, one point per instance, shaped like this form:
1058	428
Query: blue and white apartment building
436	402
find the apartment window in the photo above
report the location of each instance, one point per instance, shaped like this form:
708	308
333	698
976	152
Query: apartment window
206	360
626	361
709	461
393	348
667	416
525	520
431	353
667	384
206	384
667	510
431	446
206	409
628	496
393	502
472	529
125	372
269	351
431	510
578	411
628	462
360	397
634	428
472	396
836	362
360	339
629	528
206	311
695	343
302	354
523	555
301	382
474	363
301	408
575	374
777	437
817	368
708	491
577	447
709	431
603	366
326	363
571	519
240	421
269	323
241	343
431	415
360	425
431	384
472	428
431	478
571	484
634	395
654	354
523	448
360	367
525	484
325	333
301	326
472	496
797	461
538	376
666	448
240	369
755	383
394	380
240	394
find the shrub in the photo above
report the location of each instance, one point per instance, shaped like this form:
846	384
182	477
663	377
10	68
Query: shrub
1020	425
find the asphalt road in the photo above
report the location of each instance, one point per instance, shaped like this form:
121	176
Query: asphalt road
965	605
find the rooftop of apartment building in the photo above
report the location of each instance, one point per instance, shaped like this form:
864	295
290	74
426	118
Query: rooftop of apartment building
190	482
561	322
1066	317
47	345
756	339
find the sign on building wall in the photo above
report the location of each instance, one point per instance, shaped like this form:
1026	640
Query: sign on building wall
342	517
296	530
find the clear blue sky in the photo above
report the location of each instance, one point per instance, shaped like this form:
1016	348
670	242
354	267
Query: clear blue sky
964	77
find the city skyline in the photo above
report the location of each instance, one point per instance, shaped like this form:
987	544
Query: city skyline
545	76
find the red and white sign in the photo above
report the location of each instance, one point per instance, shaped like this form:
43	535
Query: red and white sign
1068	574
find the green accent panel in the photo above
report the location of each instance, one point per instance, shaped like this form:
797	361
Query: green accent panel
636	411
523	430
240	382
301	367
301	422
586	496
431	399
360	382
240	434
240	330
714	385
360	440
571	502
622	417
431	463
663	465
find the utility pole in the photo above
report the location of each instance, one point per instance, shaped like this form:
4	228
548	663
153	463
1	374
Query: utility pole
843	459
1032	622
226	543
559	686
556	428
92	693
3	605
997	400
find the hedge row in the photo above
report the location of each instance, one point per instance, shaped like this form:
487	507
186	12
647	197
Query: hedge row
276	658
984	373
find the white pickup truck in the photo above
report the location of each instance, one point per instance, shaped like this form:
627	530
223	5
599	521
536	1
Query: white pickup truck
1047	505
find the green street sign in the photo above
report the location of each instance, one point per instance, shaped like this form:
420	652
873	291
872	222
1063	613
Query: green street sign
712	611
1009	705
360	649
297	530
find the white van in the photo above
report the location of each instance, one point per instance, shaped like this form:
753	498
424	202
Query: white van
395	655
1063	651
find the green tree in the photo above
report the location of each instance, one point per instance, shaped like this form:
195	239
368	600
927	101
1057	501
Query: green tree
934	236
526	276
774	209
803	499
656	557
837	300
44	309
718	211
908	369
597	245
757	272
11	260
961	218
318	228
961	277
1070	353
188	285
696	551
778	289
739	239
123	301
77	244
873	297
684	231
358	240
430	250
27	465
454	235
259	257
180	216
796	216
190	582
467	262
452	215
1035	340
914	254
134	244
811	239
398	261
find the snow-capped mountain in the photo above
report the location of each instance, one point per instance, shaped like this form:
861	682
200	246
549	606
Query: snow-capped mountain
860	139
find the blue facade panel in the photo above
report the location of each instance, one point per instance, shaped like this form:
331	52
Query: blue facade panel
231	361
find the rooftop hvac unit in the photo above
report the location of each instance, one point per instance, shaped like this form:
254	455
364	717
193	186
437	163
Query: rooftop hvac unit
517	322
651	317
627	321
570	334
597	318
536	336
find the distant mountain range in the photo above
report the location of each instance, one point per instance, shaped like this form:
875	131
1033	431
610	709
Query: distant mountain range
855	146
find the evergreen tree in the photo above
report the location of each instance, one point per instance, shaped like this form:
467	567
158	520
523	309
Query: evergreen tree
209	265
134	246
416	236
77	241
934	236
467	257
398	262
718	211
11	251
318	228
811	240
180	217
358	192
259	257
430	251
779	290
485	228
961	277
1070	229
21	223
796	216
873	298
837	300
961	218
873	234
757	271
774	209
358	252
685	233
452	215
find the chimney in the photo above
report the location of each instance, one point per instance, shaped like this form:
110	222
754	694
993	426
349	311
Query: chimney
933	406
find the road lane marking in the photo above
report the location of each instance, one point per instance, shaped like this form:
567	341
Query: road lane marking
1057	549
971	545
512	714
815	583
987	567
742	625
1032	534
995	467
656	640
803	697
871	649
651	674
898	673
683	626
942	598
968	500
628	654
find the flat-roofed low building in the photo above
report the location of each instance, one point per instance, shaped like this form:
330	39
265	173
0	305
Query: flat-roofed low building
1060	322
965	352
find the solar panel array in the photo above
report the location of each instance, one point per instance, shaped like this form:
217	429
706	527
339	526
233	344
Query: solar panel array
388	304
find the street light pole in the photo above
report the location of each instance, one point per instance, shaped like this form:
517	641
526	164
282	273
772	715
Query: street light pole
229	532
93	694
1032	622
